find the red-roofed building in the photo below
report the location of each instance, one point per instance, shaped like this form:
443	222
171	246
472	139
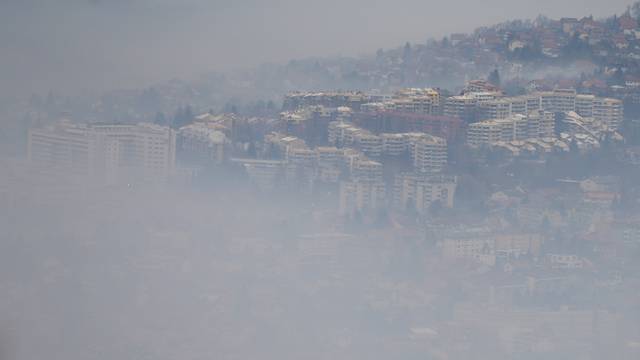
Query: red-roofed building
626	22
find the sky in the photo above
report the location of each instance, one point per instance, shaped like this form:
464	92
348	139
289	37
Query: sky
71	46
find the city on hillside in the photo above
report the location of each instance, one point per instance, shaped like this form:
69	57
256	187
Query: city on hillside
473	196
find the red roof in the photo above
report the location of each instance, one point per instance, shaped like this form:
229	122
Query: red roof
627	22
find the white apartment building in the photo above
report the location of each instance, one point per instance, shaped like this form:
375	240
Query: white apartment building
415	100
559	100
608	111
73	150
584	105
605	110
394	144
462	106
106	153
495	109
266	175
365	170
430	154
203	142
280	145
328	156
368	143
418	191
357	196
147	152
517	127
476	248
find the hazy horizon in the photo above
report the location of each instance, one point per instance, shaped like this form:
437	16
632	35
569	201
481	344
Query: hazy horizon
474	199
74	46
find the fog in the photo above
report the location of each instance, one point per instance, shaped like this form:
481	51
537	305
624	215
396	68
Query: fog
282	179
71	46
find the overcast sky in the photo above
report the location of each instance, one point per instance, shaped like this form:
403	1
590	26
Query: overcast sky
71	45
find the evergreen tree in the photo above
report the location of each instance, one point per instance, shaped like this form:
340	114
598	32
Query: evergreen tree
494	78
160	119
635	10
445	42
406	55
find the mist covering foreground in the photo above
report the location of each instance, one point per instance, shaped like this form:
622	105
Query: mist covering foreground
459	196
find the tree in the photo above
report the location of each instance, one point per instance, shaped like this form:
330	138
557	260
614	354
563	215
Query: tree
494	78
188	114
445	42
577	48
182	117
406	55
435	209
251	151
382	220
160	119
617	78
635	10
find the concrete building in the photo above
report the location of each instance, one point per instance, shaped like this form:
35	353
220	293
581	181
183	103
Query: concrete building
415	100
106	154
463	107
470	245
486	132
266	175
365	191
365	170
419	191
147	152
368	143
394	144
73	150
480	86
280	145
608	111
517	127
328	156
430	154
361	197
202	143
494	109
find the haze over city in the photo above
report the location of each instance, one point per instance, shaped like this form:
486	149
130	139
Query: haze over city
328	180
71	46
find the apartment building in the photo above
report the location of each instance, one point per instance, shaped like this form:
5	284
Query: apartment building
368	143
147	152
73	150
410	100
474	246
538	124
494	109
105	153
463	107
559	100
584	105
203	143
365	190
486	132
430	154
365	170
394	144
480	86
608	111
279	145
328	156
361	197
266	175
419	191
605	110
